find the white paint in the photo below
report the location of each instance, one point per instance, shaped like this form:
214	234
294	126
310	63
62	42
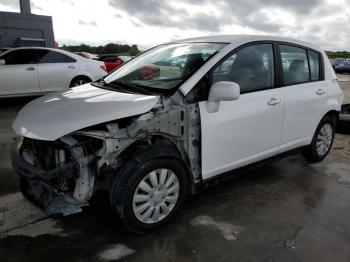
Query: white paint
229	231
251	129
55	115
240	132
116	252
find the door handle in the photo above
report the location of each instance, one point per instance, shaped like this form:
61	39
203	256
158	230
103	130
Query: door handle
72	67
30	68
274	101
320	92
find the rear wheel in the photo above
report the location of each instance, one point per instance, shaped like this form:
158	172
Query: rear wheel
80	80
147	194
322	141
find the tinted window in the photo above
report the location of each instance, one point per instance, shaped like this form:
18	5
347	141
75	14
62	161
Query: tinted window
251	67
108	58
314	61
48	56
20	57
295	65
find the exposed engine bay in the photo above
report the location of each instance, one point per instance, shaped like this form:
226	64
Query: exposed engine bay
62	175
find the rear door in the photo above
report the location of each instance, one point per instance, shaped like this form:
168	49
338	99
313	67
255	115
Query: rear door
305	94
19	75
248	129
56	70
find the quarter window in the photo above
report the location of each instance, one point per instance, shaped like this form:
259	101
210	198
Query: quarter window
295	65
251	67
314	65
48	56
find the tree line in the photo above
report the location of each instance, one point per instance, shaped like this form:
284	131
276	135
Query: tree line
110	48
338	54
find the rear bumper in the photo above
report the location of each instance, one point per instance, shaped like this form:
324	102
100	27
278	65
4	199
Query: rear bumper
35	186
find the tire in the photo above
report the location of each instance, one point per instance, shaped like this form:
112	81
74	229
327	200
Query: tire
322	141
129	185
80	80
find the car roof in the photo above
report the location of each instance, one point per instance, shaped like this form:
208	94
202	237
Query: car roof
246	38
75	56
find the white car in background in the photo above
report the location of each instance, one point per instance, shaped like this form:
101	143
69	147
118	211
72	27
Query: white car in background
34	71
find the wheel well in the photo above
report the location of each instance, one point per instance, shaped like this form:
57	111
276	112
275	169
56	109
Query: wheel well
334	115
158	146
79	77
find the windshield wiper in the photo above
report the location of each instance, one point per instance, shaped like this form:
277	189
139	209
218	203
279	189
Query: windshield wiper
103	84
99	83
122	86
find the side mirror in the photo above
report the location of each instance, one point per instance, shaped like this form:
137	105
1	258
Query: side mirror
222	91
2	62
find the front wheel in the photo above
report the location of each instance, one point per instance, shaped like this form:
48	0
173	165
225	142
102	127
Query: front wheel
146	195
322	141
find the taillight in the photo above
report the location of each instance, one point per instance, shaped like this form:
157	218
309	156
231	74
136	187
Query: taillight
104	68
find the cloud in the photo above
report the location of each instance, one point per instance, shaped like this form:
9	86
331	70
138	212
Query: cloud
93	23
81	22
85	23
71	2
248	13
309	20
10	3
325	22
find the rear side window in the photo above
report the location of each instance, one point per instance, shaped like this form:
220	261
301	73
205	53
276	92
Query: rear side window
314	61
295	65
20	57
251	67
49	56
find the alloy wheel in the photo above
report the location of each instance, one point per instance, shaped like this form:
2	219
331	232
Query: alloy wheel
324	139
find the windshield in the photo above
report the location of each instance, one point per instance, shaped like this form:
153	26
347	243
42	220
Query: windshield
163	68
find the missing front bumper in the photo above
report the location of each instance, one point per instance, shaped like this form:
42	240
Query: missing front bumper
35	186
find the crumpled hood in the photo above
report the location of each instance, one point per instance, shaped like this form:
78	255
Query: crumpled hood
53	116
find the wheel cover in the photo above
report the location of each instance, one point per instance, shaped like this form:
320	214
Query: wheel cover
156	196
324	139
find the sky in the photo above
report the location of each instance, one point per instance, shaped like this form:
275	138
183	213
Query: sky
151	22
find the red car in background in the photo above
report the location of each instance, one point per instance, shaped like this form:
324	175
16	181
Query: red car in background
113	61
149	72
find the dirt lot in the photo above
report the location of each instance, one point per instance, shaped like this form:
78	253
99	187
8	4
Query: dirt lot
286	211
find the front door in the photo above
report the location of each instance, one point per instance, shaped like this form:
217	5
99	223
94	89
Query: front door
249	129
19	75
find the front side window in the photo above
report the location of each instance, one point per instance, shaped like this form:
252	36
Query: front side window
49	56
314	61
251	67
20	57
295	65
163	68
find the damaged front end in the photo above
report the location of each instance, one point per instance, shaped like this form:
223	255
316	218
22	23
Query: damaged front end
58	176
61	176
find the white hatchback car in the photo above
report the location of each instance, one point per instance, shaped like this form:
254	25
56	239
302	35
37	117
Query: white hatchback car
34	71
150	140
